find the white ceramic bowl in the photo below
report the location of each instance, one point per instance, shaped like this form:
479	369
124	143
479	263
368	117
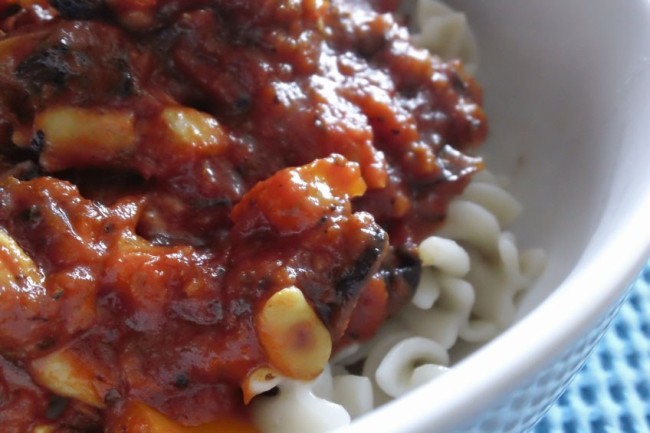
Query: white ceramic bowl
568	93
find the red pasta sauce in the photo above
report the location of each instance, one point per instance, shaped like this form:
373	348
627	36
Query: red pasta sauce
167	166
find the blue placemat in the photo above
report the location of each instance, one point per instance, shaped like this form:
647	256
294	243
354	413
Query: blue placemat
611	393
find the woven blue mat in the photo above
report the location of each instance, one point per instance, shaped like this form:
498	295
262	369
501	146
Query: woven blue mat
611	393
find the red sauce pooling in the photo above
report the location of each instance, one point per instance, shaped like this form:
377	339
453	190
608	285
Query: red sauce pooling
161	221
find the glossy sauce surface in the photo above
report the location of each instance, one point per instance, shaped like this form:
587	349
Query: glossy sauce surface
168	166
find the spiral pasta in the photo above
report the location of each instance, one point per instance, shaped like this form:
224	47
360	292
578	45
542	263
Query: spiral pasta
296	408
443	31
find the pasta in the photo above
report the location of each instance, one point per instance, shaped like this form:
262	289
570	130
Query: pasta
443	31
396	374
297	409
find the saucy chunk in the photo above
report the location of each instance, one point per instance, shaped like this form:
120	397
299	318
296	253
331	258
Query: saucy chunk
199	195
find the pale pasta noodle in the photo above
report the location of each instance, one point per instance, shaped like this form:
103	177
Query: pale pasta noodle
471	223
354	393
469	287
498	272
395	374
296	409
321	405
478	331
497	285
425	373
450	313
347	355
445	255
442	31
377	349
323	385
389	333
428	290
495	199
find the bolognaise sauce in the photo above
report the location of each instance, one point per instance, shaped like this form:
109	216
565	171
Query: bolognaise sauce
198	196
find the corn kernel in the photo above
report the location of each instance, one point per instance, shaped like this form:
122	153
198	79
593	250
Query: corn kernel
62	373
82	136
16	267
295	340
194	129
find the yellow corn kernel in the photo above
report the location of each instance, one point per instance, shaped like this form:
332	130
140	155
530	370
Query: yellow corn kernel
85	136
295	340
16	267
140	418
194	129
43	429
261	380
64	374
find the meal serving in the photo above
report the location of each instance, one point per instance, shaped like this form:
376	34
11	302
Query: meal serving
203	201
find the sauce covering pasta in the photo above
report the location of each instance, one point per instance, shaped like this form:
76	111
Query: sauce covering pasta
199	196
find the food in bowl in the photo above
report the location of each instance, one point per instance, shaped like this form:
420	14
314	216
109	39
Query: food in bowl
202	201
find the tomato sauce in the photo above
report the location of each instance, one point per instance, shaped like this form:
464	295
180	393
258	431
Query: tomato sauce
168	166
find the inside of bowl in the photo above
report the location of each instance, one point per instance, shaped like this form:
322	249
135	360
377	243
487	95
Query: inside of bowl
567	92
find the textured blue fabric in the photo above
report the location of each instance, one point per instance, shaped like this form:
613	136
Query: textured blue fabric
612	391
